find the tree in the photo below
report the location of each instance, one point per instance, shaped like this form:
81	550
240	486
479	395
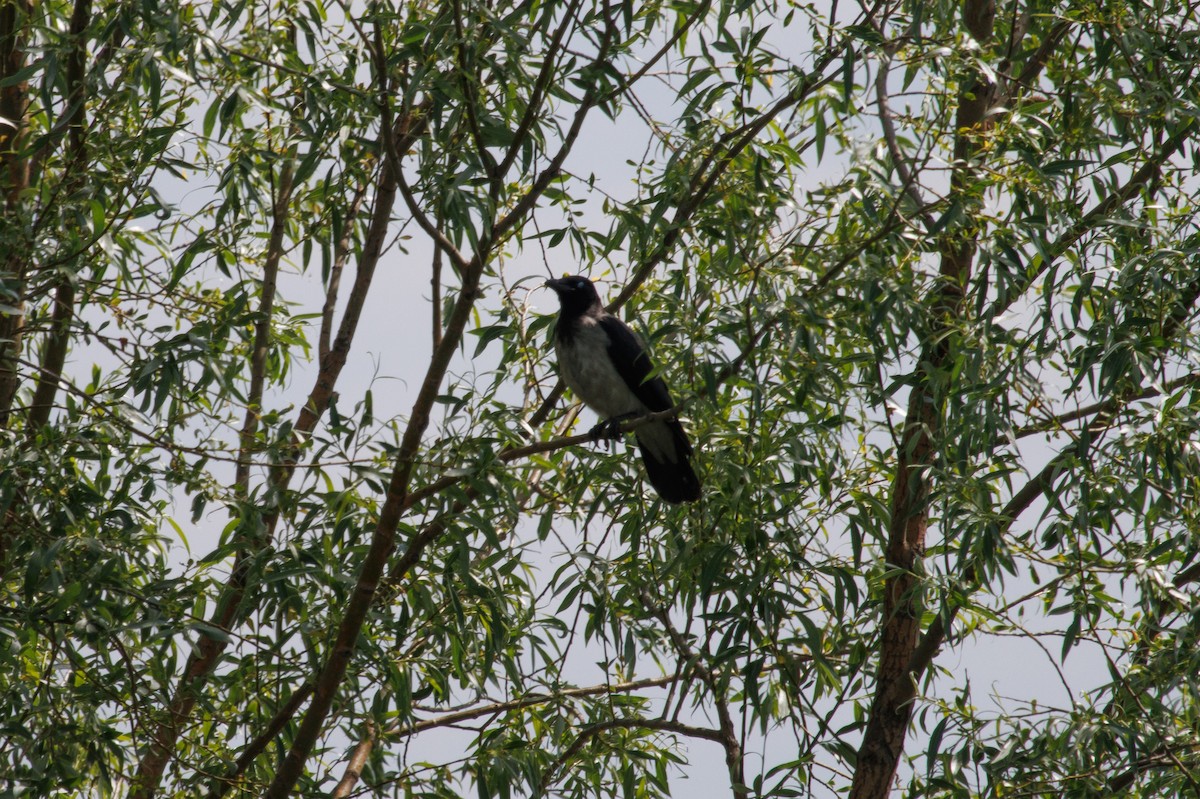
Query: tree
923	276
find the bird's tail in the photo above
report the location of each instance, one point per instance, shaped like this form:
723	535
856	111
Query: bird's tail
668	462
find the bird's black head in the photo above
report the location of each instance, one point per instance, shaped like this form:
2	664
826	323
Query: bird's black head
576	294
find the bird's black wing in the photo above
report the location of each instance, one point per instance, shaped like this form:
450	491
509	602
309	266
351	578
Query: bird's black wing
664	446
633	364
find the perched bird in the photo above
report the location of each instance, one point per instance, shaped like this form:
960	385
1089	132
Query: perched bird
602	361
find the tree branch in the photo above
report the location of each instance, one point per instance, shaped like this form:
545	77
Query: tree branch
252	750
59	341
341	253
440	240
587	733
888	720
408	130
358	759
714	165
1037	62
229	606
727	735
1096	216
527	201
531	700
14	174
1102	414
1122	782
470	97
435	298
383	540
540	85
908	180
1058	421
925	651
262	328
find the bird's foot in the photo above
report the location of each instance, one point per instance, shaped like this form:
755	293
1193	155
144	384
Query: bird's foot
609	429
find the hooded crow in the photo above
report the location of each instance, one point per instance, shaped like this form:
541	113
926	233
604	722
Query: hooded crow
602	361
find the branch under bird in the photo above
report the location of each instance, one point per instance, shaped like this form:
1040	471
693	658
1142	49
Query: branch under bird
602	361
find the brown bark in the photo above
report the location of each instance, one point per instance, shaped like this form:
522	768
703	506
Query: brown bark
593	730
341	253
358	759
14	172
59	341
383	541
891	708
14	100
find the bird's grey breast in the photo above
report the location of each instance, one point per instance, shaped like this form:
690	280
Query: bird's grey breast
588	370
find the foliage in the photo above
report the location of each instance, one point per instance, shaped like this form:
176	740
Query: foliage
291	500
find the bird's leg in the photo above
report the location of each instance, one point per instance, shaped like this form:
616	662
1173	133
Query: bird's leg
610	429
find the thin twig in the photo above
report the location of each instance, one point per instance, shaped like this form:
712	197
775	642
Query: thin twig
341	253
727	734
908	180
591	731
531	700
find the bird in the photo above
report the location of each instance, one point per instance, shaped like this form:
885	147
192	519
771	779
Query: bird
602	361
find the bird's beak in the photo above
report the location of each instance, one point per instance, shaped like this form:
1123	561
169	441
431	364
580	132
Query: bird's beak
554	283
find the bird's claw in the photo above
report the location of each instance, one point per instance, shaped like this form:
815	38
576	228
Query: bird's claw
609	429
